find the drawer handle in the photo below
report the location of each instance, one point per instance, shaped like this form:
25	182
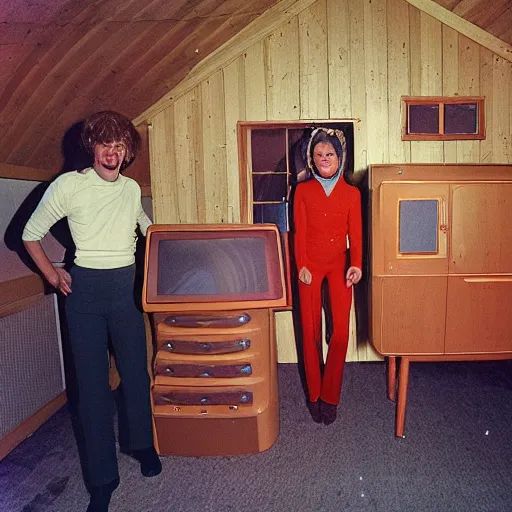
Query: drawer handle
206	321
246	370
244	343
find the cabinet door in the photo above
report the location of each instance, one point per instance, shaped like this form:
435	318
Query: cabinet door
481	234
479	309
412	224
408	314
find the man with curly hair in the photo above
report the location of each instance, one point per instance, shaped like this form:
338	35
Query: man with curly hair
103	209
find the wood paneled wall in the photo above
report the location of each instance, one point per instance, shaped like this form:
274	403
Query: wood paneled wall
324	59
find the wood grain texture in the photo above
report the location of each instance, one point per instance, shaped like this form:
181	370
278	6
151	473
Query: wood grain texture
255	83
467	22
450	79
340	59
313	56
398	59
61	61
213	189
19	294
430	81
282	72
376	80
469	85
234	104
18	172
163	167
359	106
372	59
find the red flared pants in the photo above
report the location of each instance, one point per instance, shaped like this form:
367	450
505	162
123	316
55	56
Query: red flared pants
326	386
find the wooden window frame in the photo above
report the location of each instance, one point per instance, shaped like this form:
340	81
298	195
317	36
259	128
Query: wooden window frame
441	101
244	163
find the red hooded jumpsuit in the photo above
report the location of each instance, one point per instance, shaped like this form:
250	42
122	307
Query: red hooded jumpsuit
322	224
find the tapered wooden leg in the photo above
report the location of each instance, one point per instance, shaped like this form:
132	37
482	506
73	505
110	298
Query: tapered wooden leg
391	361
403	381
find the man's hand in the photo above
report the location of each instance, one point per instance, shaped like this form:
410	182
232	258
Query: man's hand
61	280
56	276
353	276
305	276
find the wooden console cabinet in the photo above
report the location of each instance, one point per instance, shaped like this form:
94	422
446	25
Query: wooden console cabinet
441	271
212	291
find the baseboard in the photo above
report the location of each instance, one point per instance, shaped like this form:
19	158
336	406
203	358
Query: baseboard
30	425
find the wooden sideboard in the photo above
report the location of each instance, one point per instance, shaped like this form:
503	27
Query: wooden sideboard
441	271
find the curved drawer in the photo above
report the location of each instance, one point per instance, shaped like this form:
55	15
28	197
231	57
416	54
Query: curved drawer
203	371
241	397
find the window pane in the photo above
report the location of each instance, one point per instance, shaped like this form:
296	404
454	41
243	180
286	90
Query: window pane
297	140
460	118
269	187
423	119
418	226
273	214
268	149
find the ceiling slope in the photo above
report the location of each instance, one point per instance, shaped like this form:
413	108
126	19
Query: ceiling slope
61	60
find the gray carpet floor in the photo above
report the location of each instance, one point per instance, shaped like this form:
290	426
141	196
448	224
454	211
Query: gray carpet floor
456	456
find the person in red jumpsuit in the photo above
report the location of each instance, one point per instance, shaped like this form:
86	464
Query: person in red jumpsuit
326	212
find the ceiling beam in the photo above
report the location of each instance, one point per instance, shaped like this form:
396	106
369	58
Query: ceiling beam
19	172
464	27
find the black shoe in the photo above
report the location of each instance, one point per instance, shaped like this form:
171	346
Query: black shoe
329	412
314	411
150	464
100	496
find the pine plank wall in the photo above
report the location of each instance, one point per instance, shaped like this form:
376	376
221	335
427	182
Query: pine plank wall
323	59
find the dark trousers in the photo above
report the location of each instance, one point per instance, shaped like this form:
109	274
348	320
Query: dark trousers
101	307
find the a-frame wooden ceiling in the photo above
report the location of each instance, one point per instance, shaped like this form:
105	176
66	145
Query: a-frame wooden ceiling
494	16
61	60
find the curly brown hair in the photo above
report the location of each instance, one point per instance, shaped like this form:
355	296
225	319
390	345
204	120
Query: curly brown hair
108	126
